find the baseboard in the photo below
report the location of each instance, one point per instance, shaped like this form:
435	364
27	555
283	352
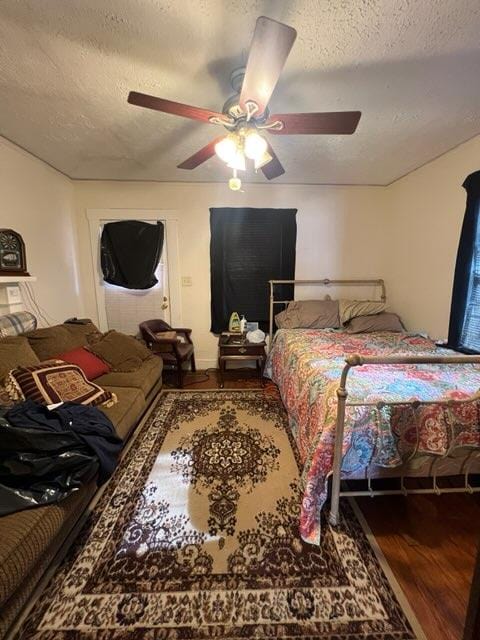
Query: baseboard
206	363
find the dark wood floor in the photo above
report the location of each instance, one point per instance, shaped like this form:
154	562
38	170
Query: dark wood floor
430	542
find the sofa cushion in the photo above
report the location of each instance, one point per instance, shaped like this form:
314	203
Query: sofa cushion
92	366
123	353
144	378
128	409
26	536
15	351
49	341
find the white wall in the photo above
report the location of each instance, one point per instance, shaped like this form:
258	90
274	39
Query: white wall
339	234
407	233
37	201
422	230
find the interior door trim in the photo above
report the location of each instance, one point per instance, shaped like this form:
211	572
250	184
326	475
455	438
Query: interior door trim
169	217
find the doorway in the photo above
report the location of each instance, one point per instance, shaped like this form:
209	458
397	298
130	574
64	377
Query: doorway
123	309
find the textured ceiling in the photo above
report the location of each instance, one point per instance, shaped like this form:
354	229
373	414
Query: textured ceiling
66	67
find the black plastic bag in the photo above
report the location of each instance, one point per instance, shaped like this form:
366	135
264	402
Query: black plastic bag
45	455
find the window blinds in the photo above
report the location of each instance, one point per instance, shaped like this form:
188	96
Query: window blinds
249	247
470	338
464	329
126	308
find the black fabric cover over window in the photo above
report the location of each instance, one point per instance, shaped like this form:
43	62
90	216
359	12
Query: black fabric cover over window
249	247
464	329
130	252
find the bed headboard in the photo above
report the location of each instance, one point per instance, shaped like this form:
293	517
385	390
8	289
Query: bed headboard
325	282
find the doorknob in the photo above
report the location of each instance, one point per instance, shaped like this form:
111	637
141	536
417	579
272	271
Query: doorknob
164	305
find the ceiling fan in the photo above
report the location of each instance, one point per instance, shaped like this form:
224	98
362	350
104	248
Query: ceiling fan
245	115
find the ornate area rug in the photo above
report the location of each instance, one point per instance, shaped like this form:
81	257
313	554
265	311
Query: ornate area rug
196	537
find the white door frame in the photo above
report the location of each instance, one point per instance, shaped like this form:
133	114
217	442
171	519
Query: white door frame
169	217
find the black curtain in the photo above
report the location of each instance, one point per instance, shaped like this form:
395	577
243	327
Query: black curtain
249	247
130	251
462	297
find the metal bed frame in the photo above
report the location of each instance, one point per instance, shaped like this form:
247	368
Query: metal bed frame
358	360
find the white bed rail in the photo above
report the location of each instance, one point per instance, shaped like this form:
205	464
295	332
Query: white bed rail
342	396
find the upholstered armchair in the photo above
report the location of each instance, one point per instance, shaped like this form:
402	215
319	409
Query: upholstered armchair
163	340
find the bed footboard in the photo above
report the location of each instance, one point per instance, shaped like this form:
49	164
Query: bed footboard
342	403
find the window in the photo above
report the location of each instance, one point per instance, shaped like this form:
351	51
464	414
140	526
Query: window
133	260
126	308
470	337
464	330
248	248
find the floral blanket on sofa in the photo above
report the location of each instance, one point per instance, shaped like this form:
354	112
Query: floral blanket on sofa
306	365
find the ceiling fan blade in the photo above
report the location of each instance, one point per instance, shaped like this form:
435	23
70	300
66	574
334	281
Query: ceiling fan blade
333	123
271	44
175	108
274	168
201	156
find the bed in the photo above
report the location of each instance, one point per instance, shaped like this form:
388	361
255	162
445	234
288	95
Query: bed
374	405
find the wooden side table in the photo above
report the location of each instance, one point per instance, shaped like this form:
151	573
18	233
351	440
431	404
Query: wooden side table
236	348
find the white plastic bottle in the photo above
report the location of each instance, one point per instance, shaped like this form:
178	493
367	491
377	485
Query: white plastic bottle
243	324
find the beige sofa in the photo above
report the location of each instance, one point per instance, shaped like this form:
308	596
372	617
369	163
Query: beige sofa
30	540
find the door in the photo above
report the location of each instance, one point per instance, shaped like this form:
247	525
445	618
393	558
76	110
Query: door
124	309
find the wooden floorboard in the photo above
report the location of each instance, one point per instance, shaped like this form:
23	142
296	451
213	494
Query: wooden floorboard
430	542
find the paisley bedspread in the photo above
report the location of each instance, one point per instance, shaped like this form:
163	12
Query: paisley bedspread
306	365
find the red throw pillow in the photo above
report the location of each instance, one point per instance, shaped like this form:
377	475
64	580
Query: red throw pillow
92	366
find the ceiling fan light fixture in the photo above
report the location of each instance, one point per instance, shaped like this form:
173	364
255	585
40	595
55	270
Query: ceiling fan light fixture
238	161
255	145
246	114
227	149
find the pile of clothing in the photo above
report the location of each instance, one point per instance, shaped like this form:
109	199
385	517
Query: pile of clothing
46	454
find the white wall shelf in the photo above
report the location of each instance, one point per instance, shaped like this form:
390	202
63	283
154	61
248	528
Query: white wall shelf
14	279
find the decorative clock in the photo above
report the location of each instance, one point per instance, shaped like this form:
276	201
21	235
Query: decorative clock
12	254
